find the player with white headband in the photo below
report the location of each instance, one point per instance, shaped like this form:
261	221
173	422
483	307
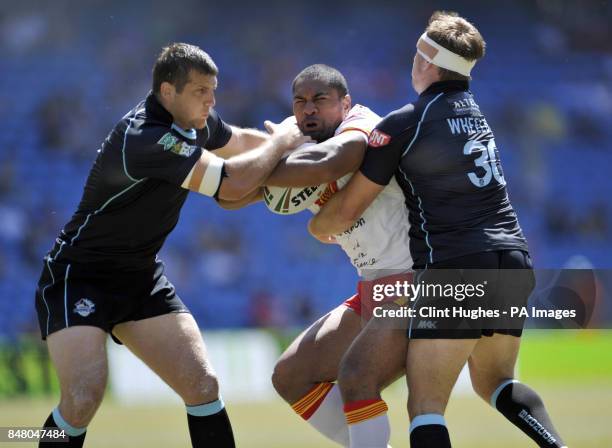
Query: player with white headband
442	152
436	54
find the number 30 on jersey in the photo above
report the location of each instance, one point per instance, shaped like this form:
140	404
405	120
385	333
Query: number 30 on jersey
487	161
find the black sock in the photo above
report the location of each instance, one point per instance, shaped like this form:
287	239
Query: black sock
212	430
429	431
430	436
525	409
73	441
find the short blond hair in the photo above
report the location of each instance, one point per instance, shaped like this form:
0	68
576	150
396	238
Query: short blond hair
457	35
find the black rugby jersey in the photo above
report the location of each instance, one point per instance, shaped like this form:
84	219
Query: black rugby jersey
442	152
132	197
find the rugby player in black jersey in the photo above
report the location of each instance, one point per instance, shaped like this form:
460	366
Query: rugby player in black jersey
442	152
102	275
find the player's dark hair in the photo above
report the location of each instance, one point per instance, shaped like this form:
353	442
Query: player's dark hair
457	35
324	73
176	61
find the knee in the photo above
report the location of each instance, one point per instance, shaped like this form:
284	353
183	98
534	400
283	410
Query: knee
293	377
282	376
79	402
200	387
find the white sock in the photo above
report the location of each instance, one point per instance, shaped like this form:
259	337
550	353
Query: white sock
368	423
329	418
371	433
323	408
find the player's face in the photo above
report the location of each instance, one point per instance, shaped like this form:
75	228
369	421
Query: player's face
423	73
319	109
191	107
417	72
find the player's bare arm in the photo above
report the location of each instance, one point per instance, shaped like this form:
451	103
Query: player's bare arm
241	141
312	165
320	163
251	198
345	207
244	172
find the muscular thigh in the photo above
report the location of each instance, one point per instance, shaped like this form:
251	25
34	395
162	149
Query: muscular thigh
172	346
317	351
375	359
79	357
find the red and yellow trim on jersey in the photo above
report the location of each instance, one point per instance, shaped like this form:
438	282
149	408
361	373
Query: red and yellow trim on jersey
330	190
359	411
310	402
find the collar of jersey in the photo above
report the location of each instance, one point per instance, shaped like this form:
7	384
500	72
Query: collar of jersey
446	86
190	134
157	110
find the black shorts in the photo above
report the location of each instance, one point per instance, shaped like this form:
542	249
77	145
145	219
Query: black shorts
68	295
506	279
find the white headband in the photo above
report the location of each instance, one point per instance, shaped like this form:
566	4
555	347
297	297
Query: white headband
445	58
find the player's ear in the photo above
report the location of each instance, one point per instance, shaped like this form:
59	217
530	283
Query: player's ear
167	90
346	103
432	69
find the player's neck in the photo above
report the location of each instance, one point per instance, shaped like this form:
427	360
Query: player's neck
427	84
166	105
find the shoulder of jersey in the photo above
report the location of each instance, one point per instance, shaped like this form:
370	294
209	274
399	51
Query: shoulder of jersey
359	118
398	120
359	111
159	136
393	125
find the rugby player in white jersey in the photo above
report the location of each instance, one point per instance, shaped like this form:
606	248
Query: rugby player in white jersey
377	246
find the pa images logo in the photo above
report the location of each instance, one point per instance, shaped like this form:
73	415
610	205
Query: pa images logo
173	144
84	307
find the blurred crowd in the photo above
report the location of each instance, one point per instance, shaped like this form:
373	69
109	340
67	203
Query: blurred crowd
71	70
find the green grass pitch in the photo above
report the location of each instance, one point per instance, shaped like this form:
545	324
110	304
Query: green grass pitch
571	370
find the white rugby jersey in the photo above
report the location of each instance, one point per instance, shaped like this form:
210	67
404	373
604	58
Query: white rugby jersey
378	241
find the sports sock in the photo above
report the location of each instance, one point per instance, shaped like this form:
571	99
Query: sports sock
429	431
368	423
210	426
322	408
524	408
76	436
